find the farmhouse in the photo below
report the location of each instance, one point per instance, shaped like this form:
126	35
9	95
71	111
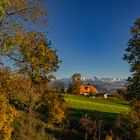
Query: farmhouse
88	89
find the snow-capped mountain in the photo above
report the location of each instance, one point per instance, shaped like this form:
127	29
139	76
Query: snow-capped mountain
110	80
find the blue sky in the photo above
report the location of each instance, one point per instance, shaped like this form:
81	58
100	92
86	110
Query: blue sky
91	35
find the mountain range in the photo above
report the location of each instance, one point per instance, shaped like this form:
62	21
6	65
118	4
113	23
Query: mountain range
109	85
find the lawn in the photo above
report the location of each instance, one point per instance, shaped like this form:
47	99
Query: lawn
107	109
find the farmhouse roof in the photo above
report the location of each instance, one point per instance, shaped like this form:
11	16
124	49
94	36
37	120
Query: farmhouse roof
88	88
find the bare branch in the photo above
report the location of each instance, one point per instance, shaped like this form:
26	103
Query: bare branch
15	59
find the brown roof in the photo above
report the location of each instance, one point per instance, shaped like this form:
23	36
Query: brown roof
88	88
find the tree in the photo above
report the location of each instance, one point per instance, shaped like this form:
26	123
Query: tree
132	56
91	127
33	55
76	82
23	43
133	89
58	86
52	108
76	78
23	40
120	93
3	5
25	11
17	16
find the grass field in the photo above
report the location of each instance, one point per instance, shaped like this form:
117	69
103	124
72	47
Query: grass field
107	109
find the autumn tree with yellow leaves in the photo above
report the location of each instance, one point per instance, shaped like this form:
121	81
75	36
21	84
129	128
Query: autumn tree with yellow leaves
7	116
24	42
21	39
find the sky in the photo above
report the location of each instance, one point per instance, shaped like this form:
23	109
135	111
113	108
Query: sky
91	35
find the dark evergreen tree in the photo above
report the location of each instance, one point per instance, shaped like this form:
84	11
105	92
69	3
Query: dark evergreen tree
132	56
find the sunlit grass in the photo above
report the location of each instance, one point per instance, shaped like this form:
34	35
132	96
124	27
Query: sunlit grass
110	105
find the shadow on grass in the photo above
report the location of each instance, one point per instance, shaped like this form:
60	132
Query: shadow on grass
73	133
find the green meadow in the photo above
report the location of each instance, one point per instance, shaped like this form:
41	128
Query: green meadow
107	109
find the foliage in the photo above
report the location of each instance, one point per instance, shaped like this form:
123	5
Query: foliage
133	89
74	89
135	113
16	21
21	94
76	82
7	116
29	127
91	127
33	55
3	5
133	58
126	127
69	90
24	10
121	93
53	107
23	42
58	86
19	91
76	78
38	107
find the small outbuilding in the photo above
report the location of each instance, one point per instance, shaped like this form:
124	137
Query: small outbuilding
102	95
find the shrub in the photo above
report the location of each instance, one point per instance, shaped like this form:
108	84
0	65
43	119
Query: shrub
7	116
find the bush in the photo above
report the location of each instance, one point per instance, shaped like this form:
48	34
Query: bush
52	108
7	116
